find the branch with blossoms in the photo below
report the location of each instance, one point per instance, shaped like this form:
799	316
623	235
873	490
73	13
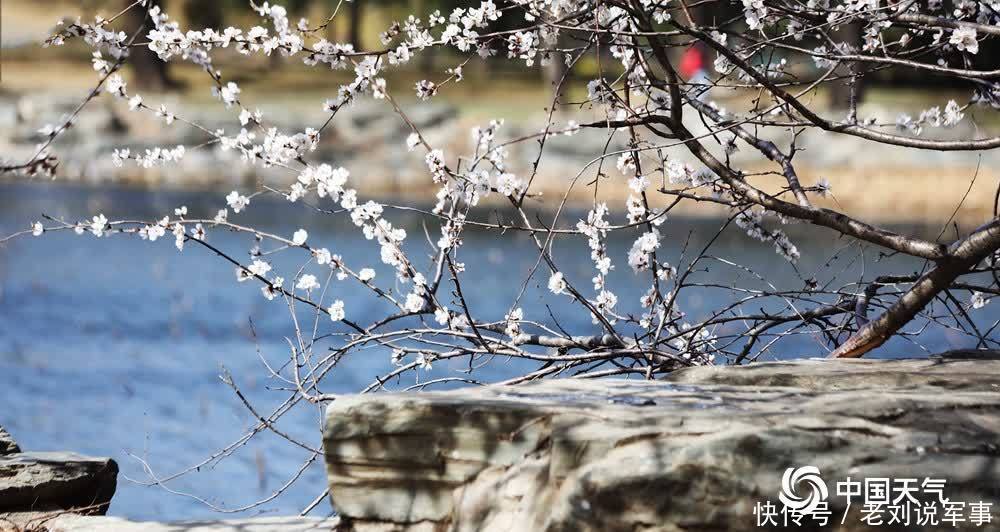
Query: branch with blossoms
782	52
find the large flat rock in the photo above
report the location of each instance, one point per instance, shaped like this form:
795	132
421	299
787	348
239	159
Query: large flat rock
698	453
959	370
56	481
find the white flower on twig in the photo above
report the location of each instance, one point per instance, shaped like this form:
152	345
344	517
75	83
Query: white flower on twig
237	201
964	38
557	284
336	310
307	282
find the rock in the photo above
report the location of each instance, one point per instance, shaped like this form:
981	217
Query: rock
7	443
700	452
963	370
56	480
81	523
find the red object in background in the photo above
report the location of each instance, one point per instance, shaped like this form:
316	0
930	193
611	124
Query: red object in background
692	62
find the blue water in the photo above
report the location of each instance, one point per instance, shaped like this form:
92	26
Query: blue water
114	347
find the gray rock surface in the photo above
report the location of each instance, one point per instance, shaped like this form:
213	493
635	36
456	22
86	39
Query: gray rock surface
955	370
7	443
696	453
56	481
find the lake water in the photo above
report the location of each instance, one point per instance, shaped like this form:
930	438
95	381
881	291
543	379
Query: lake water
114	347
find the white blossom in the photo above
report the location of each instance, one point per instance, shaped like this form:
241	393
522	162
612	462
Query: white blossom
198	233
414	302
307	283
513	319
237	201
100	65
336	310
606	300
378	89
557	284
598	92
246	117
964	38
322	256
952	114
412	141
755	13
116	85
435	163
639	257
272	289
425	89
423	361
179	236
167	116
153	232
119	156
259	268
523	45
98	225
509	185
230	93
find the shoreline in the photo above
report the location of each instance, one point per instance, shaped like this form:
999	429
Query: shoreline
880	185
576	207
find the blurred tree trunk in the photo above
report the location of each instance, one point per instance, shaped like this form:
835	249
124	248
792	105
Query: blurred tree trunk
556	69
354	23
419	9
554	72
150	72
849	90
322	11
201	14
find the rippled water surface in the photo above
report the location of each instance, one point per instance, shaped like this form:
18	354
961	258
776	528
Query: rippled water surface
114	347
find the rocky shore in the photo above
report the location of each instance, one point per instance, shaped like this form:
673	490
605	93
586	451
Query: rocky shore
67	492
709	448
53	481
370	140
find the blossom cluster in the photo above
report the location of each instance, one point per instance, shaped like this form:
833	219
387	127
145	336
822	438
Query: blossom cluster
638	103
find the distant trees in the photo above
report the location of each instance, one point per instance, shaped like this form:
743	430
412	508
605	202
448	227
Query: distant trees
151	73
201	14
848	92
354	23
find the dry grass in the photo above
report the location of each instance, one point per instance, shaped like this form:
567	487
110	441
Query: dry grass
888	195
